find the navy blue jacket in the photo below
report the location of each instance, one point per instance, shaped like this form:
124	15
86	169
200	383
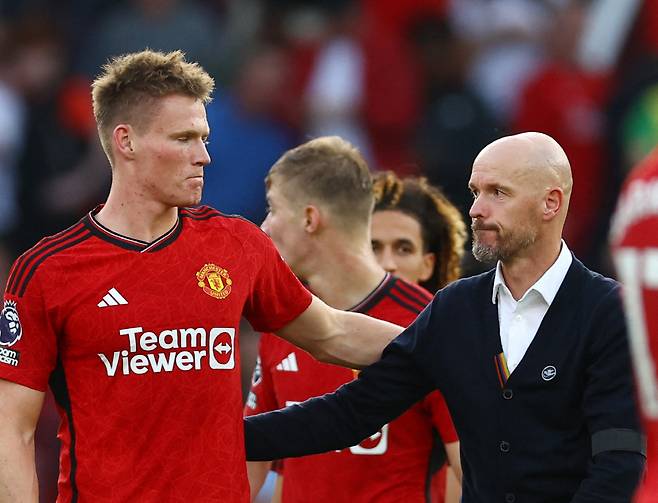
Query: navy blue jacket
527	440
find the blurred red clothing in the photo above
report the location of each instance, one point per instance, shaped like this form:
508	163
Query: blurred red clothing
393	93
567	104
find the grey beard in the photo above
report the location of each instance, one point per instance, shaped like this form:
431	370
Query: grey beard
485	254
507	249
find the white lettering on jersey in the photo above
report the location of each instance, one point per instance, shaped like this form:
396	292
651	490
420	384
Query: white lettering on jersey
638	270
640	201
172	349
374	445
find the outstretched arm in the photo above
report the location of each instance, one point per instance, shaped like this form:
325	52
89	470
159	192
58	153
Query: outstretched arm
19	411
355	411
343	338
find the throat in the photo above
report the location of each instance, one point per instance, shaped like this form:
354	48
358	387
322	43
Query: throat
137	225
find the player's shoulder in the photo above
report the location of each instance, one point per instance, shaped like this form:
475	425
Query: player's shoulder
599	290
396	300
411	290
41	255
207	218
208	215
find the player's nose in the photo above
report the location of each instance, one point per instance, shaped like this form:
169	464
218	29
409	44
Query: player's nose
387	260
202	157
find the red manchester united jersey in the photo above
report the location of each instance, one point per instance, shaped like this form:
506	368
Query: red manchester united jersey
635	250
139	343
392	465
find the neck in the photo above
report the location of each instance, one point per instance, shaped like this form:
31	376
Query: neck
342	276
130	215
521	272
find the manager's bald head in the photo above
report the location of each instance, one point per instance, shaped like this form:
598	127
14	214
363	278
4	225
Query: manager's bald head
534	157
521	185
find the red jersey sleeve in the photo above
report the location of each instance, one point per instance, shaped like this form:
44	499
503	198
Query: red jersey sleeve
28	342
261	397
277	296
441	418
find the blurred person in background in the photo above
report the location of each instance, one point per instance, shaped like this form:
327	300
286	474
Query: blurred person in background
249	113
62	169
634	239
455	124
564	100
333	98
392	95
12	123
509	39
12	118
165	25
320	202
418	235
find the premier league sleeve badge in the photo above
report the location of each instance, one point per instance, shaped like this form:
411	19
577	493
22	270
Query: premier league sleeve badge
10	324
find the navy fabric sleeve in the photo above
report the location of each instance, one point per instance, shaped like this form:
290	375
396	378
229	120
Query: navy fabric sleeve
609	404
355	411
613	477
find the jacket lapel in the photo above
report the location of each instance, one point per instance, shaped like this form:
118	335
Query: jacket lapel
555	324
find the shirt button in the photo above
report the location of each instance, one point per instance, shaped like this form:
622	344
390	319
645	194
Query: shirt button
504	446
508	394
510	498
517	317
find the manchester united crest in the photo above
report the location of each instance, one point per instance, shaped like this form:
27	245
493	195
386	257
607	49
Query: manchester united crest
215	281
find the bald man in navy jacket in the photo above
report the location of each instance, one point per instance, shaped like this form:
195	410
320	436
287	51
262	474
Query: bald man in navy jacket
532	356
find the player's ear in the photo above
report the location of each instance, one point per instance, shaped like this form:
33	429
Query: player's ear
552	203
312	218
122	138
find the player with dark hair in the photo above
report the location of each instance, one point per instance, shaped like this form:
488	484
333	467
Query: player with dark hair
634	237
418	235
320	203
132	314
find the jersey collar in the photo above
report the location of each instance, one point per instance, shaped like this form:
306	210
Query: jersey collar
373	297
129	243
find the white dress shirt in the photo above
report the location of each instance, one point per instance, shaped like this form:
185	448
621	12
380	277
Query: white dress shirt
520	320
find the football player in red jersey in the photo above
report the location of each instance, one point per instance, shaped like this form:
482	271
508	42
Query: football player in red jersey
320	204
131	315
418	235
634	237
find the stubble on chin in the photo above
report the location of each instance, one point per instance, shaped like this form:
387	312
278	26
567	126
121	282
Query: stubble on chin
483	253
508	246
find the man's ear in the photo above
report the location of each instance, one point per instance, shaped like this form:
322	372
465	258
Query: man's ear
123	141
312	218
553	203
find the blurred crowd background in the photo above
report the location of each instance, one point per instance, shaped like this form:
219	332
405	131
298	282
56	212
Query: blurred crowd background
420	86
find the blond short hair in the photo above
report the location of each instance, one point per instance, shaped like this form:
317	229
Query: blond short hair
131	84
330	170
